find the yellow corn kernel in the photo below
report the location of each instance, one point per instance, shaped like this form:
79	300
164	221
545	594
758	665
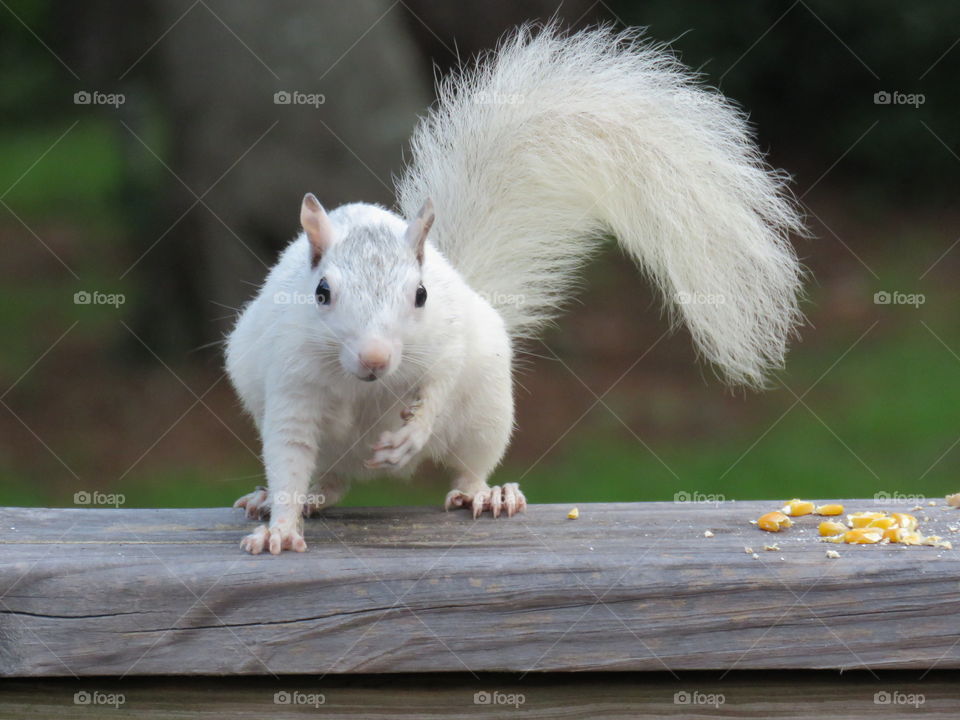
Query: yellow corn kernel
904	536
905	521
574	513
796	508
831	509
831	527
862	519
863	536
884	523
774	521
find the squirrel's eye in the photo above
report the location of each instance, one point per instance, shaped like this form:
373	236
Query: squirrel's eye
421	296
323	292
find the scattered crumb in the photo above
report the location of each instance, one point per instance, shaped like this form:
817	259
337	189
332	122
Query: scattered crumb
748	550
833	554
953	500
574	513
772	547
753	522
932	503
953	528
707	533
755	556
916	507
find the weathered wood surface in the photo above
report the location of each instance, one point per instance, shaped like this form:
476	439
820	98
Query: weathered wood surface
625	587
550	696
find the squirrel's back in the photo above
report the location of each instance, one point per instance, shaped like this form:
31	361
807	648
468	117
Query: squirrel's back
553	141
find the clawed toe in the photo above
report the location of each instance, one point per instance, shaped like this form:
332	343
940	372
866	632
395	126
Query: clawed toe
456	499
498	499
256	504
275	539
396	449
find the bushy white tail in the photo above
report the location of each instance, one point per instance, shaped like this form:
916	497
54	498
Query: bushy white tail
554	141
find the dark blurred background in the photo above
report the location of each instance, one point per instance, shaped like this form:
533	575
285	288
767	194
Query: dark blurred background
148	178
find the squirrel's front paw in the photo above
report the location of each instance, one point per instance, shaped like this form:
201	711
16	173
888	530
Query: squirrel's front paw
396	449
496	499
275	538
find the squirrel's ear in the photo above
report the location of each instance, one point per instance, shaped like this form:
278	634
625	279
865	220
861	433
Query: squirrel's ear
419	227
316	224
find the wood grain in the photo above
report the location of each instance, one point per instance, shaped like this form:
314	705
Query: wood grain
624	587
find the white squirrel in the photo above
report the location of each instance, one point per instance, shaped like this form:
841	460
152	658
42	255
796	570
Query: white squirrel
373	330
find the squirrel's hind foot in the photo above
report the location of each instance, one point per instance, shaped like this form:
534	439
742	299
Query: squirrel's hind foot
498	499
256	503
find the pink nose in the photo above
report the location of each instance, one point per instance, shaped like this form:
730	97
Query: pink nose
375	357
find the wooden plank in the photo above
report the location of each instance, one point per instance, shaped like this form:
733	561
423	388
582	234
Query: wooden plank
625	587
454	696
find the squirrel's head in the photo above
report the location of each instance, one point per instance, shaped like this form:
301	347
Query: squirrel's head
367	278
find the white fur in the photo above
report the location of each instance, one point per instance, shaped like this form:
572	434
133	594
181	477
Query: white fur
293	365
554	141
530	158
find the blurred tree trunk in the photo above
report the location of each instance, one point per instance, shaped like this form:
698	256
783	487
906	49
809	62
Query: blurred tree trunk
200	80
218	71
